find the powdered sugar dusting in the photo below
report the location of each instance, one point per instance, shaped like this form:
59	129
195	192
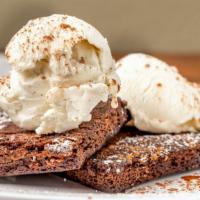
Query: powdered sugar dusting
140	149
59	146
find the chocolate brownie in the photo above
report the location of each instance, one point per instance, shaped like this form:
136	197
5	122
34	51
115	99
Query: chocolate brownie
25	152
134	157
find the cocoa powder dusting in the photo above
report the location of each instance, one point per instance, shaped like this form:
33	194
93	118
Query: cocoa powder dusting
67	26
159	84
189	183
189	180
48	37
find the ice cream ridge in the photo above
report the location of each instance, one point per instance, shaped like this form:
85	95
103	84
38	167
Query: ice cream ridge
61	69
159	99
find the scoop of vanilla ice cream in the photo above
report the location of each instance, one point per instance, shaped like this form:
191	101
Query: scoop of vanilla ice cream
61	69
159	99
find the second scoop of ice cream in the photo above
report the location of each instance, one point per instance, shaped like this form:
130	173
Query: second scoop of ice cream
61	69
160	100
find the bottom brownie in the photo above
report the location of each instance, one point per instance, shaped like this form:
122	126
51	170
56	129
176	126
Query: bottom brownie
133	157
24	152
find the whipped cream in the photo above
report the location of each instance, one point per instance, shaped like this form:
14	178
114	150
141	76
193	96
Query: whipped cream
159	99
62	68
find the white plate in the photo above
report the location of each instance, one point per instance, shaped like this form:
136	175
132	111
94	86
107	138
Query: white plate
42	187
50	186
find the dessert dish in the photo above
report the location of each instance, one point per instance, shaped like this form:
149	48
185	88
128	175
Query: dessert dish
62	103
159	99
59	102
133	157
